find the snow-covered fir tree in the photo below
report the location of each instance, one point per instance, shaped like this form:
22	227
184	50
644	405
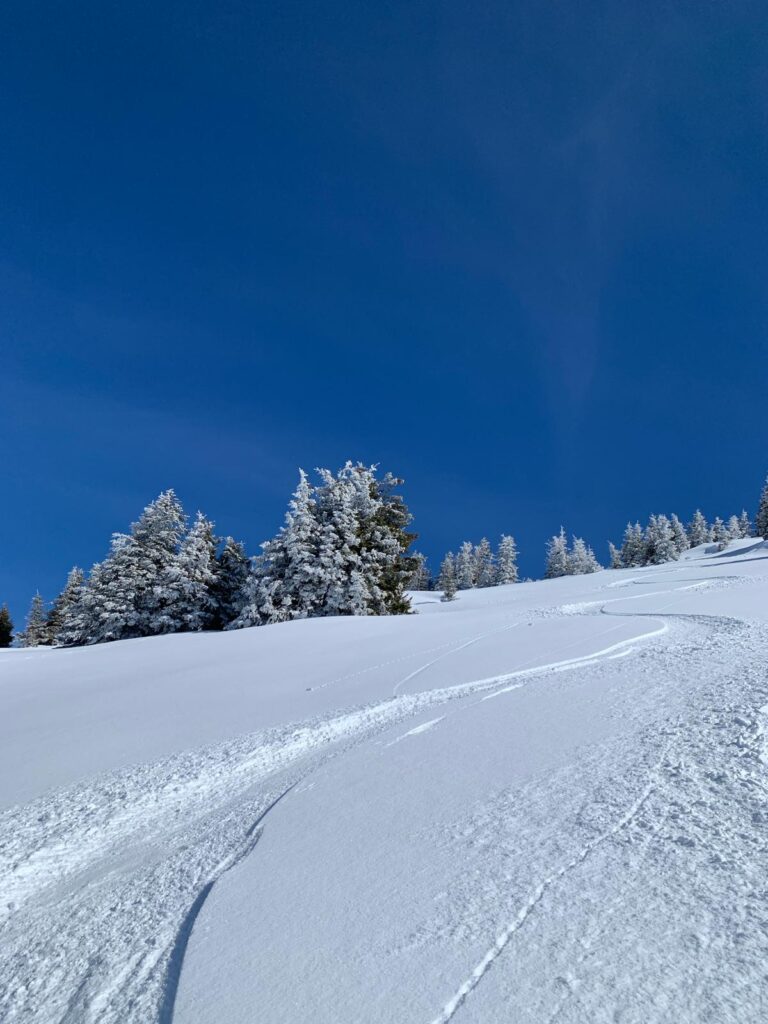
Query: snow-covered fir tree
6	627
581	559
679	534
342	551
420	578
660	541
698	530
633	546
189	582
745	525
557	556
720	535
485	567
761	519
36	631
733	526
466	566
446	581
232	567
64	603
506	561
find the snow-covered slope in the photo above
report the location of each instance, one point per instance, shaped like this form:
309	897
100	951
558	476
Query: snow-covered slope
542	802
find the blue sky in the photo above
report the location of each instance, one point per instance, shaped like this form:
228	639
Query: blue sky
514	252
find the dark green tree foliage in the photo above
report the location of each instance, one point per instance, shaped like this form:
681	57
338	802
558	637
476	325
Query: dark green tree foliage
6	627
231	574
390	522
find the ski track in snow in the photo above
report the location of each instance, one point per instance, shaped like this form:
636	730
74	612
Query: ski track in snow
101	883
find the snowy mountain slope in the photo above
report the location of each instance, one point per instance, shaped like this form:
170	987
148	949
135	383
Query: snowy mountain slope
540	802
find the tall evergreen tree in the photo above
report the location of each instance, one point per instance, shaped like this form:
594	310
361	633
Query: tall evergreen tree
447	579
761	519
64	603
189	581
660	541
616	561
485	568
557	556
698	530
506	561
6	627
36	632
733	526
231	576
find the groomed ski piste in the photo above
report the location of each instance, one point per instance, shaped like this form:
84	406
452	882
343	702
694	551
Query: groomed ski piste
541	802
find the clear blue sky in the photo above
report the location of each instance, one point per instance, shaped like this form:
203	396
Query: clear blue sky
515	252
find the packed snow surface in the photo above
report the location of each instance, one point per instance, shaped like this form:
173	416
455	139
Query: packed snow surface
540	802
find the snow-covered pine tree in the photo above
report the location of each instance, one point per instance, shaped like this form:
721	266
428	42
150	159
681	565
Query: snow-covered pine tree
633	546
189	581
465	567
581	559
557	556
679	535
420	578
761	519
386	539
36	632
67	599
720	535
698	530
349	576
660	541
6	627
506	561
616	561
485	569
446	581
745	525
733	526
231	576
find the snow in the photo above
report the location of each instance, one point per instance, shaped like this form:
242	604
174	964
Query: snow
539	802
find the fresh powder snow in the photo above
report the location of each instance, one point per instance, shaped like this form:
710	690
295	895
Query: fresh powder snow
537	802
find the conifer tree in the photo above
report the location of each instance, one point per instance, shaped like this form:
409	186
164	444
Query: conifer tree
420	578
466	567
659	541
189	581
745	525
64	603
506	561
761	520
557	556
447	579
679	535
6	627
581	559
231	576
633	546
720	535
484	569
36	632
733	526
698	530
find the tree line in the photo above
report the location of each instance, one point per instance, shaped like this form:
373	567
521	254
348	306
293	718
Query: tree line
344	549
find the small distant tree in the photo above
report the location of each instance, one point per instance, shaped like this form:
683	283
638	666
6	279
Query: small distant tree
447	579
506	561
420	578
733	526
485	569
61	608
6	627
581	558
698	530
720	534
466	567
679	535
761	520
633	546
557	556
615	556
660	541
36	633
745	525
